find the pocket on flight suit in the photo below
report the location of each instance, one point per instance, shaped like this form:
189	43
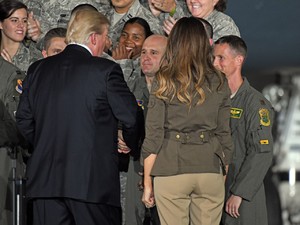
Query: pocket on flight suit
262	140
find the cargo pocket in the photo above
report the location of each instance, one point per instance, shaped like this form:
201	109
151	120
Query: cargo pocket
262	139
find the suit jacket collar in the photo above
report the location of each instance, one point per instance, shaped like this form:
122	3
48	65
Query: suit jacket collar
78	48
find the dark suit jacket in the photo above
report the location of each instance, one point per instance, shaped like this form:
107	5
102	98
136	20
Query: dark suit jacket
69	112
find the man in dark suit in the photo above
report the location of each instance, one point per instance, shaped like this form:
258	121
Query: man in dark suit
69	111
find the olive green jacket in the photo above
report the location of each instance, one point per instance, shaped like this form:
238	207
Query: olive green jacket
192	139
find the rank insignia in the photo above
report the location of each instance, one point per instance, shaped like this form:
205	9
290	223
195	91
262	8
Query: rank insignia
140	103
236	113
264	117
264	142
19	87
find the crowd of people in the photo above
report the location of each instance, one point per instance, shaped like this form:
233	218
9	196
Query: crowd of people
130	112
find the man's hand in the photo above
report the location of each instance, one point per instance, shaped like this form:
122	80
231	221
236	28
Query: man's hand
233	205
122	147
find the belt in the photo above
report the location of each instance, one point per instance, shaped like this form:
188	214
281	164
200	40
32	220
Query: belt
190	137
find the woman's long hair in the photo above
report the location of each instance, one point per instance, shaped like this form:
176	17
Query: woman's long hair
186	63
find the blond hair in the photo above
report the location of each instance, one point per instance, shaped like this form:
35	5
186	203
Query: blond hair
83	23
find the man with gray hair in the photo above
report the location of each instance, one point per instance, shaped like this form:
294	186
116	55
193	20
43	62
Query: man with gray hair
69	112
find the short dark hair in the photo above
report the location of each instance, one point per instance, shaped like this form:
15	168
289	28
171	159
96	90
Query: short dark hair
55	32
221	5
235	43
141	22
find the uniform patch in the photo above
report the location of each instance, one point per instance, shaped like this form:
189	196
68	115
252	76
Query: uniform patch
19	86
264	142
236	113
140	103
264	117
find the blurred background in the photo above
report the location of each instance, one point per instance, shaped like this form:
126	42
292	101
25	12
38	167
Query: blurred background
271	30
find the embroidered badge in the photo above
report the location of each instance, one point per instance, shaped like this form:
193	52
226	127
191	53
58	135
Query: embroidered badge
264	142
140	103
264	117
236	113
19	87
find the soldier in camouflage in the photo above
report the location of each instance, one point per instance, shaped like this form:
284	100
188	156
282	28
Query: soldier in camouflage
54	13
128	51
222	24
122	11
13	22
127	54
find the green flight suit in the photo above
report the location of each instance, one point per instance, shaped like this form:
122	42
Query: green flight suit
251	124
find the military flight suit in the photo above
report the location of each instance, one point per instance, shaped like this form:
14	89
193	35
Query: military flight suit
10	88
251	125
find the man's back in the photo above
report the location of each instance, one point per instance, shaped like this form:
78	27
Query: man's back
75	103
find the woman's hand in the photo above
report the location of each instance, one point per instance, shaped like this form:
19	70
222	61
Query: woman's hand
148	196
169	24
120	52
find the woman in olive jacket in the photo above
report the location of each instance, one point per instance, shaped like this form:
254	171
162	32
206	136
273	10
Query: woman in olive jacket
188	143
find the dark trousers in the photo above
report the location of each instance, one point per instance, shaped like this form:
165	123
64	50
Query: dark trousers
65	211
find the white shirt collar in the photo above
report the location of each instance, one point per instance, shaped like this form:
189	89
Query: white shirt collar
82	45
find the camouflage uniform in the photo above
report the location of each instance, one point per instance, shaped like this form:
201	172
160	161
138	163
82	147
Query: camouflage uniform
181	11
131	70
54	13
136	10
26	55
9	97
128	180
130	67
222	24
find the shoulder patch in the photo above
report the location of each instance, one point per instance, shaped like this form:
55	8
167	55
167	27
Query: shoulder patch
140	103
19	86
236	113
264	117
